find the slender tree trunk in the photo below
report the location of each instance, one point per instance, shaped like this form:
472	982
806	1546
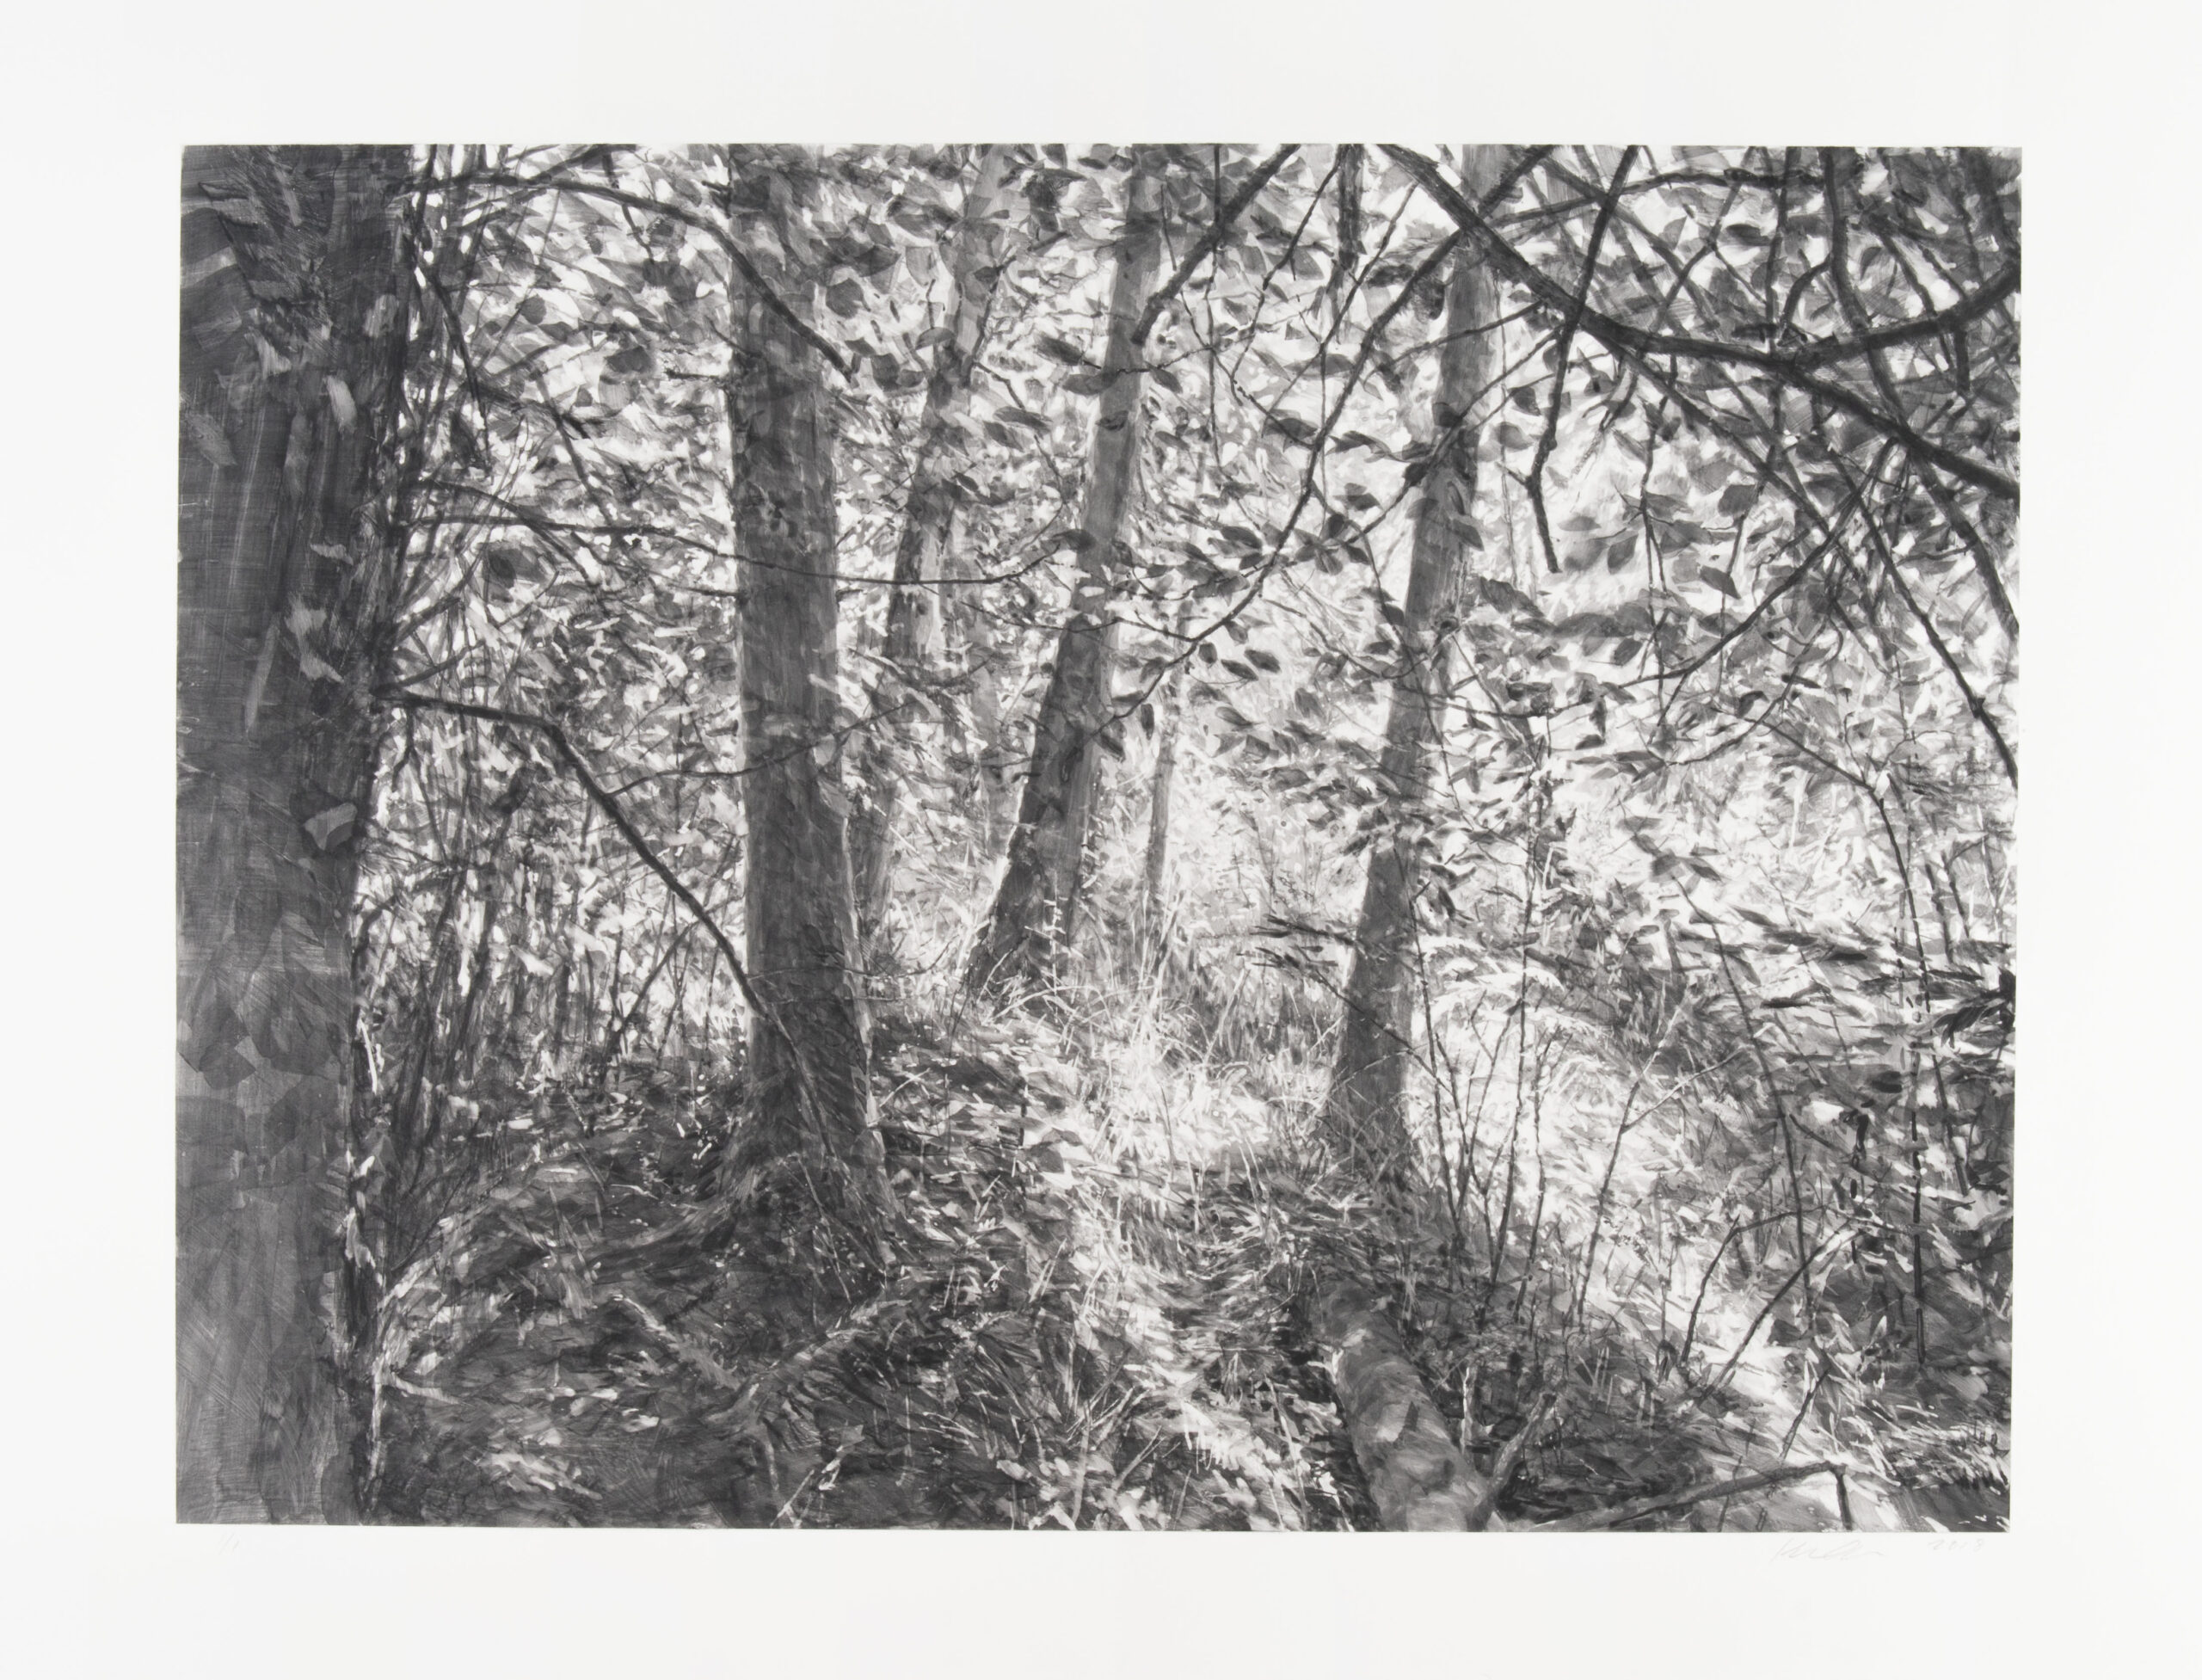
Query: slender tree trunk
294	331
810	1090
1029	922
1366	1112
1157	825
982	653
1156	873
922	556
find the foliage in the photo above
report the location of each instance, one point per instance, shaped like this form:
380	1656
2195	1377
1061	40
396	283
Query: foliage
1715	953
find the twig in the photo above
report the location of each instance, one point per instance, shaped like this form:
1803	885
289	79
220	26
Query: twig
1501	1469
806	1091
1629	1510
679	212
1803	1266
680	1344
1550	433
1639	345
604	801
1207	242
1853	310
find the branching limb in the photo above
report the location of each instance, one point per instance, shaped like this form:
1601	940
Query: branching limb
1638	344
1833	167
814	1111
679	212
1551	435
1207	242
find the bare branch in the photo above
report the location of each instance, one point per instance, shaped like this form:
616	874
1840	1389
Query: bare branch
679	212
1551	434
1639	345
1612	1516
1207	243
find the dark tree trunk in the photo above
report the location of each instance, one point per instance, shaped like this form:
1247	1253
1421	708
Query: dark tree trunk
1366	1111
1030	923
294	327
810	1087
923	556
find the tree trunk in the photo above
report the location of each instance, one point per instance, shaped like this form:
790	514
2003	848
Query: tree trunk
922	556
1153	919
294	313
983	655
1366	1111
1158	827
1029	922
809	1079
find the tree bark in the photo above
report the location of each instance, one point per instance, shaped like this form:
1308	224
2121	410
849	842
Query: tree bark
295	308
923	554
1157	870
809	1079
1030	921
1366	1112
1417	1477
983	655
1153	919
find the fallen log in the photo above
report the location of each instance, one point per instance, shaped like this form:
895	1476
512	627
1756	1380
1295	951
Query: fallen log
1419	1479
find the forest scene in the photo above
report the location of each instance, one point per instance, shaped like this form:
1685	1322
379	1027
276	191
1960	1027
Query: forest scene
1298	837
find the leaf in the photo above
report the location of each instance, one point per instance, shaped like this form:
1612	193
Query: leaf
1737	499
1024	417
1720	580
332	824
1262	661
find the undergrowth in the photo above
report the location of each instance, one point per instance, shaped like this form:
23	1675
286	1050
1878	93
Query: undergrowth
1089	1316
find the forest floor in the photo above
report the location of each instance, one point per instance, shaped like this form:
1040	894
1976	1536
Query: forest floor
1090	1317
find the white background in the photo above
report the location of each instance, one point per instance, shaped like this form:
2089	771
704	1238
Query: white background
98	103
